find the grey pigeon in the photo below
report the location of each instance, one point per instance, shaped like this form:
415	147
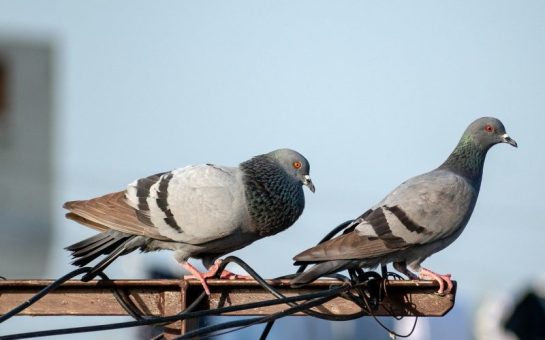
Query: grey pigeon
420	217
199	211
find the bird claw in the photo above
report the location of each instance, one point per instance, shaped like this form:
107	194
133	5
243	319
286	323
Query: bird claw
212	272
441	279
201	278
227	275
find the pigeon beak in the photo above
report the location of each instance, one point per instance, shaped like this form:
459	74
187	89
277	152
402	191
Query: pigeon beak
509	140
308	182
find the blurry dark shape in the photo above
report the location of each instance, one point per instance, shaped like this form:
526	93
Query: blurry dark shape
528	318
160	273
26	154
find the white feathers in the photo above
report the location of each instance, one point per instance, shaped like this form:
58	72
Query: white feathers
194	204
130	194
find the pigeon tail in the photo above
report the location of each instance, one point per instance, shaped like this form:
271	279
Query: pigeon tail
318	270
105	243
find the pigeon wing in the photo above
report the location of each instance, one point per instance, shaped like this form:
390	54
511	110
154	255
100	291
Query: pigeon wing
110	211
195	204
421	210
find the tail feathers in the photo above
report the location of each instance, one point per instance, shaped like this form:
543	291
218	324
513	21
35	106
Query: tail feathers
87	241
89	255
320	269
105	243
99	267
95	247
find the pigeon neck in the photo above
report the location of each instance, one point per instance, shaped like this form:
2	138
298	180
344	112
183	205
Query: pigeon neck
467	160
275	199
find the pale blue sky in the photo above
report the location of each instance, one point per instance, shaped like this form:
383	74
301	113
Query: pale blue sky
371	92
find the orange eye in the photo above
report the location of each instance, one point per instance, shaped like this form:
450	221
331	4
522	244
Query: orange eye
297	165
488	128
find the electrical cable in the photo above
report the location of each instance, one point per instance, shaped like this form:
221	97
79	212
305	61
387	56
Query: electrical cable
42	293
181	316
368	287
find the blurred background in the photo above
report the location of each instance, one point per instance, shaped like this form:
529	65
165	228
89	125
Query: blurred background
96	94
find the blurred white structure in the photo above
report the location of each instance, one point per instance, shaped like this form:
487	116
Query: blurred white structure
494	310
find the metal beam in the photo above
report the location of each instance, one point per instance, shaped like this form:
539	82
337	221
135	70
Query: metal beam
168	297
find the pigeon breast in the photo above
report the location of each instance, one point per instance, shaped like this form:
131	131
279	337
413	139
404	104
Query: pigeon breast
275	199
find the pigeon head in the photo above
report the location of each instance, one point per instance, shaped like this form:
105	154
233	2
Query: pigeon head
295	165
468	157
486	132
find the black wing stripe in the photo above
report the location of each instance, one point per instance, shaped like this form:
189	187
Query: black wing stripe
162	202
405	220
143	186
378	221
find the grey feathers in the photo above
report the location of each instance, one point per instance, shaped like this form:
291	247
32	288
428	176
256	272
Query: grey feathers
197	211
420	217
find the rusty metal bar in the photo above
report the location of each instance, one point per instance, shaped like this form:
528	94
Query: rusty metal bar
168	297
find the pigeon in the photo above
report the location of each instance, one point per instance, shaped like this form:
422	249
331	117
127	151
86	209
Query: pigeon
420	217
198	211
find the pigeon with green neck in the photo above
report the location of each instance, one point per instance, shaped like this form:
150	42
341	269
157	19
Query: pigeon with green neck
420	217
198	211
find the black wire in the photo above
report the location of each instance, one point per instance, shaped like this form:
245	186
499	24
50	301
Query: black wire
302	268
335	231
195	303
361	282
42	293
121	298
190	308
266	330
365	303
333	292
250	322
273	290
386	328
327	237
358	276
206	331
384	271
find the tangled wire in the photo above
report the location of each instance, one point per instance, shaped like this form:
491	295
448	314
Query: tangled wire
365	289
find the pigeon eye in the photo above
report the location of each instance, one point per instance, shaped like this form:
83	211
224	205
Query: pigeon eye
297	165
488	128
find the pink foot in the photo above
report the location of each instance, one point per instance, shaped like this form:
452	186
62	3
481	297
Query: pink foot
441	279
227	275
212	271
